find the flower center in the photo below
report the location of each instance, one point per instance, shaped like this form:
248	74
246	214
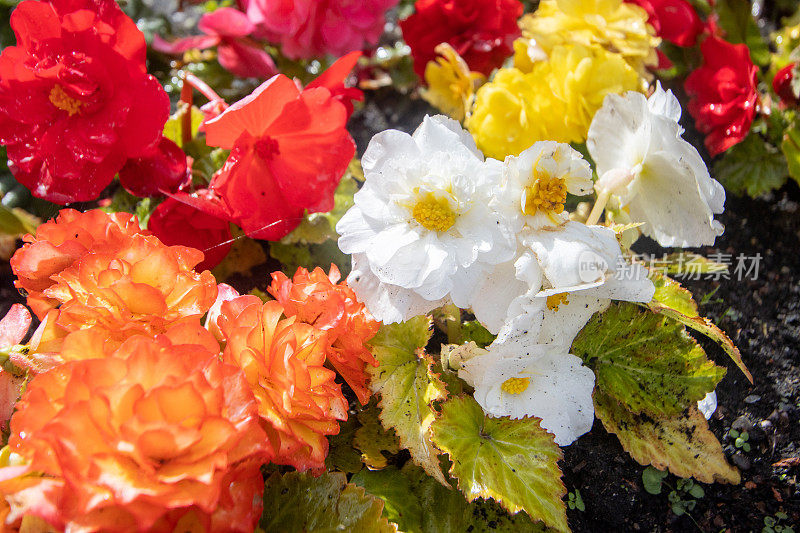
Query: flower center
515	385
547	194
434	214
63	101
556	300
267	148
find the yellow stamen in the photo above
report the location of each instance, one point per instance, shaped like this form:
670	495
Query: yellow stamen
556	300
515	385
434	213
63	101
547	194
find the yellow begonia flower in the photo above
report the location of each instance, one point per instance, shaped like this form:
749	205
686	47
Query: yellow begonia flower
555	101
451	85
613	24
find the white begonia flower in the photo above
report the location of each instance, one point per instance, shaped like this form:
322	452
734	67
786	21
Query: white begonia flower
562	275
532	196
536	183
393	303
518	377
583	270
658	177
422	218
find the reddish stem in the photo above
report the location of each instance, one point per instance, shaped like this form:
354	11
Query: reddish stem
187	95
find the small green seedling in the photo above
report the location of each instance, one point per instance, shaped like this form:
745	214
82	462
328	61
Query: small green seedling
740	440
575	501
652	478
683	498
774	525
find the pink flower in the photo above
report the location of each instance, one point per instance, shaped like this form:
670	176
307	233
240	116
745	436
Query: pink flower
227	29
309	28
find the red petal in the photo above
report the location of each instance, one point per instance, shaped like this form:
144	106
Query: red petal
253	113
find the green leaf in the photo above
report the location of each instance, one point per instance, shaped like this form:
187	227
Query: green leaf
245	254
676	302
15	221
646	361
408	387
791	150
682	444
173	128
652	478
753	166
511	461
293	256
373	440
417	503
341	453
317	228
736	20
297	502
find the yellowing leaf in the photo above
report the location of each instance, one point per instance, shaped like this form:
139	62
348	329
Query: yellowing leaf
511	461
418	504
297	502
408	387
683	444
674	301
372	439
646	361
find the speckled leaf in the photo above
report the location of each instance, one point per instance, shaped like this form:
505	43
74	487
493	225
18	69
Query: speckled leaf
297	502
646	361
513	462
418	504
683	444
372	439
676	302
407	387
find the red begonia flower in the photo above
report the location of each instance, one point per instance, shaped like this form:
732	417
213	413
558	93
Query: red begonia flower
289	149
782	84
481	31
75	98
227	29
674	20
723	93
163	169
334	77
175	222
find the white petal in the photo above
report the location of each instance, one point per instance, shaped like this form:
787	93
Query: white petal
671	204
664	103
443	134
387	303
493	295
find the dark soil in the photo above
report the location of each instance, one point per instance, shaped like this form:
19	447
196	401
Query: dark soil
762	316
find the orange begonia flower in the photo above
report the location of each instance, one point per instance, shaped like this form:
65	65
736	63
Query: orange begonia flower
283	360
315	298
153	437
60	243
141	288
